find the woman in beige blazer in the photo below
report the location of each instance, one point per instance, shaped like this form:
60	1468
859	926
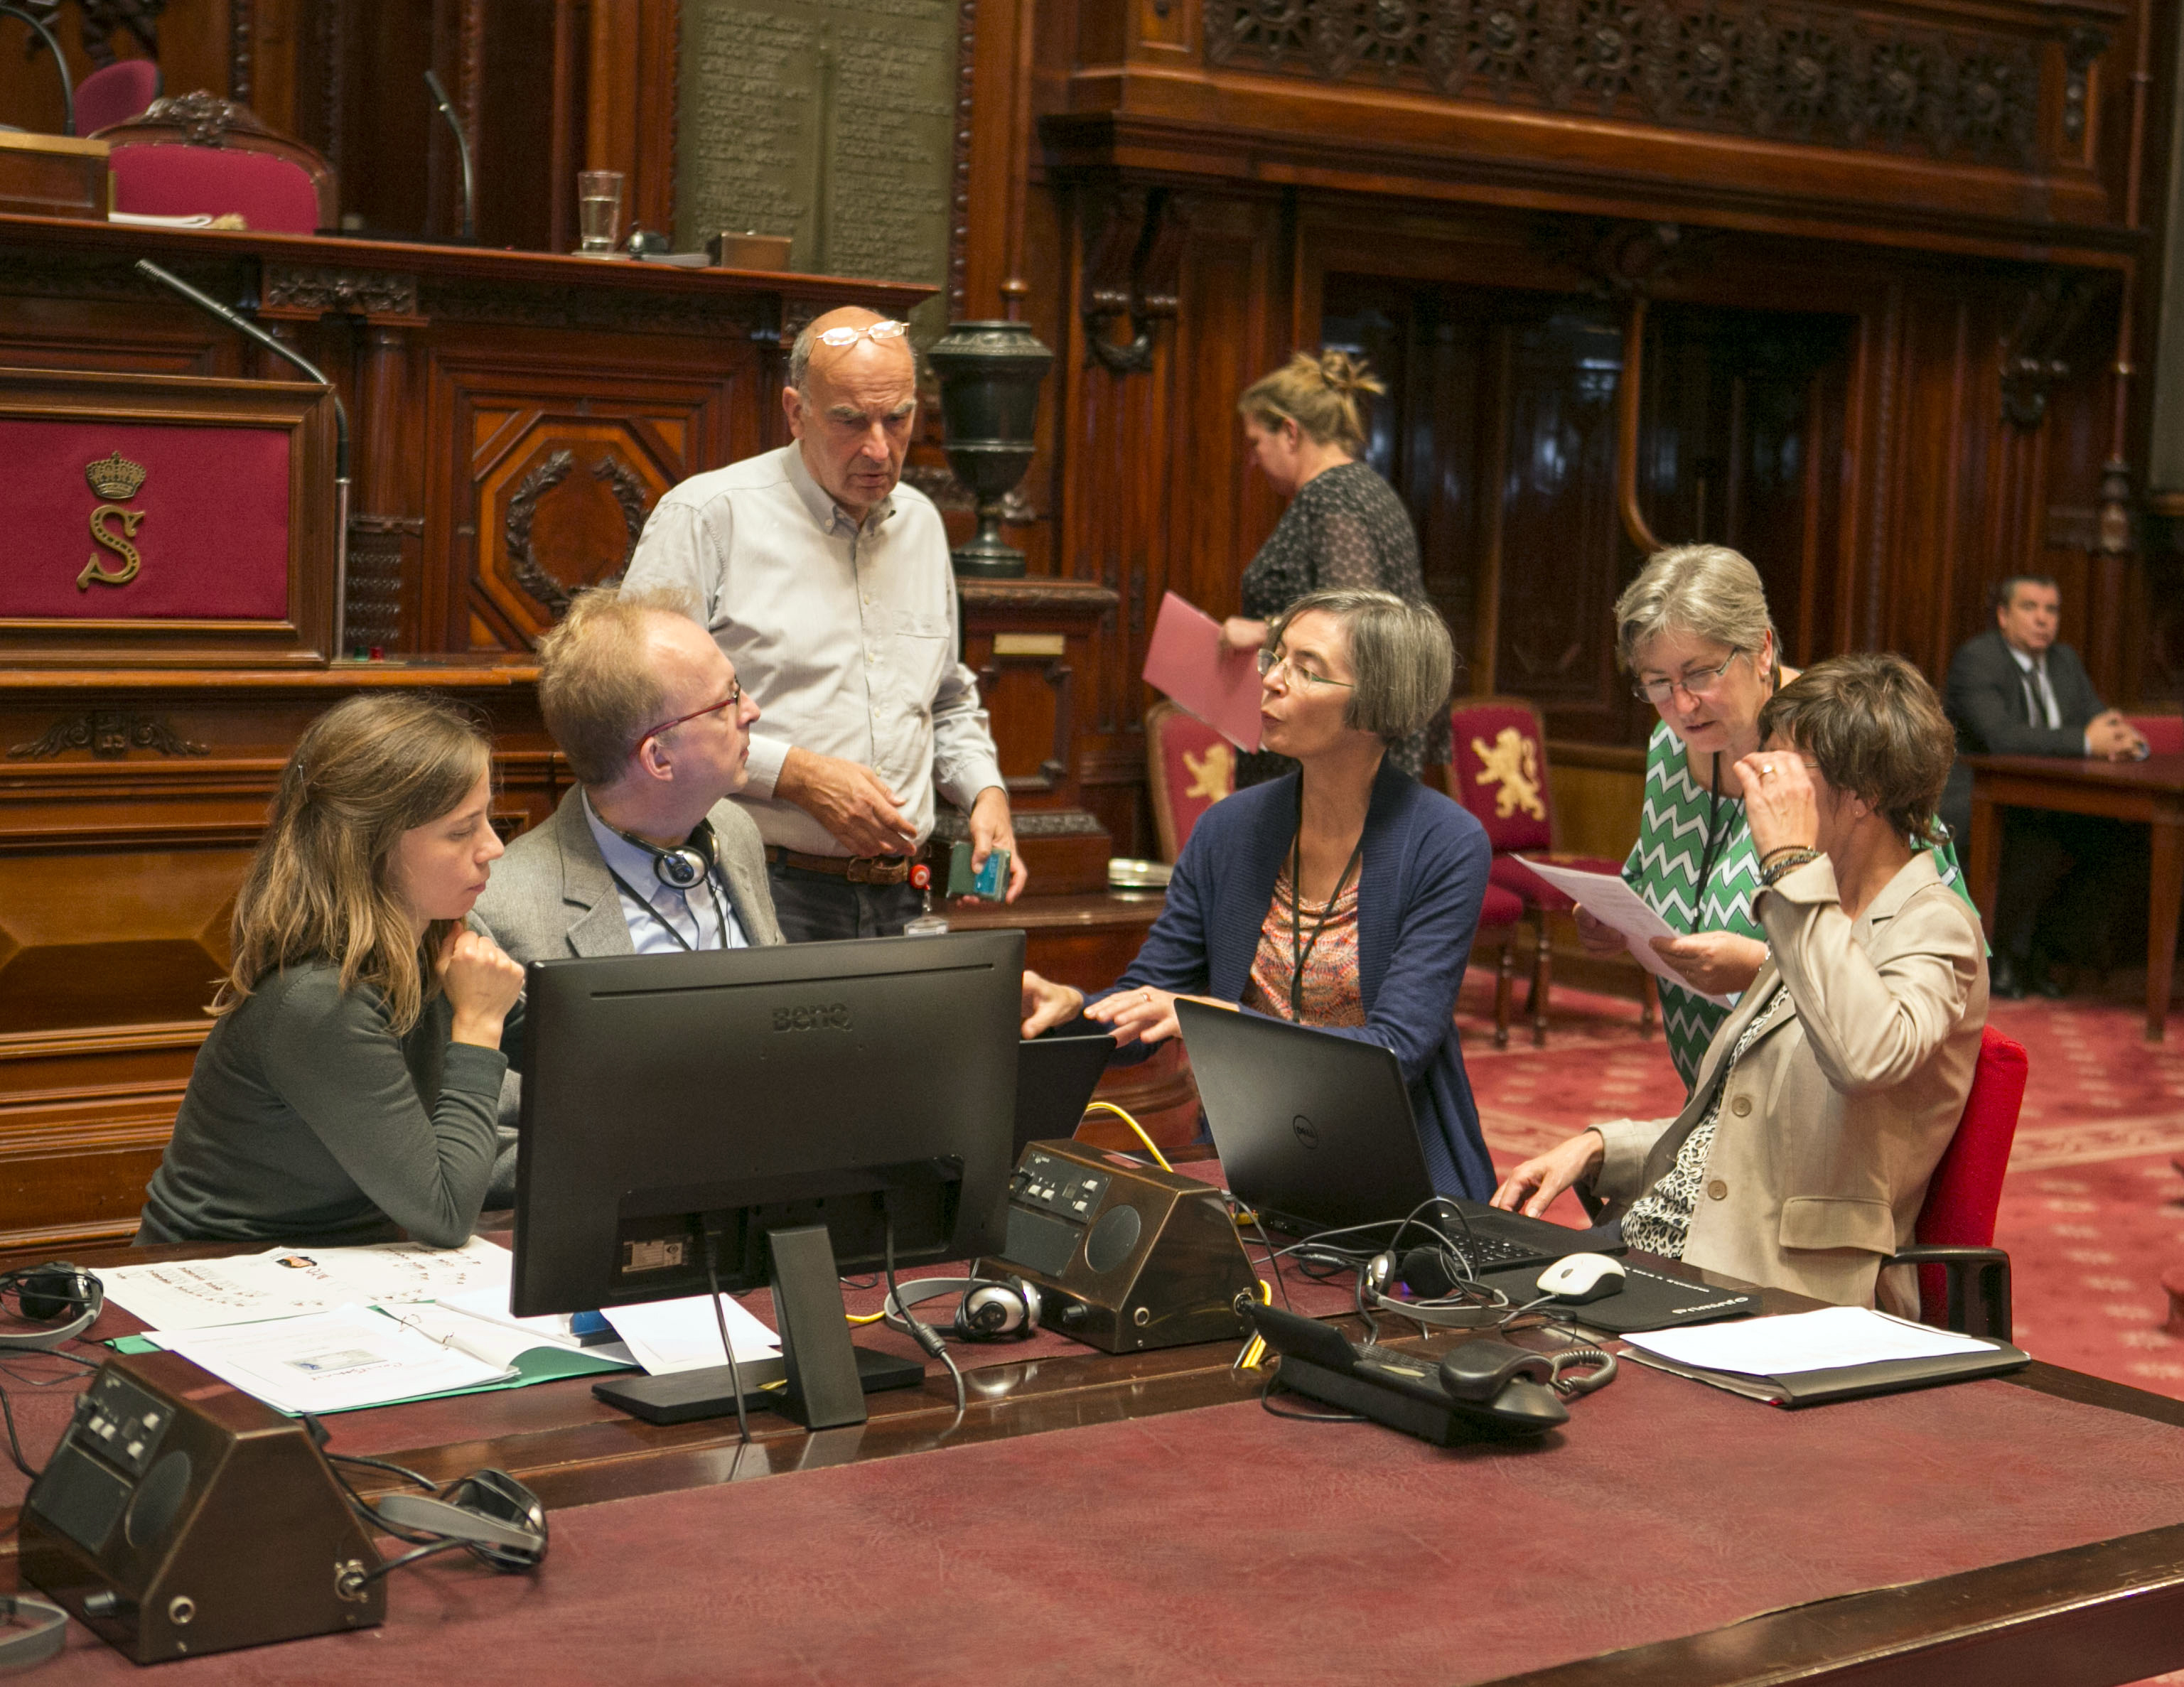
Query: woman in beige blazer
1826	1097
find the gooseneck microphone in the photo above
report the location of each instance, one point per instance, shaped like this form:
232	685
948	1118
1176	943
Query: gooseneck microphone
463	148
60	64
243	326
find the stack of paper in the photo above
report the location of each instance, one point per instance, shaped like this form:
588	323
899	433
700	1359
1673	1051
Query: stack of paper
333	1361
287	1282
1609	899
1826	1340
683	1335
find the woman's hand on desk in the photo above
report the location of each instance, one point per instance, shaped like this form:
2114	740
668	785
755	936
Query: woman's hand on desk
1144	1016
1533	1186
1714	963
1047	1004
482	983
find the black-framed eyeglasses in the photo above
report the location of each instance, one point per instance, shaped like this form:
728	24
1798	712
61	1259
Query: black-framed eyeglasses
1268	662
1698	683
735	696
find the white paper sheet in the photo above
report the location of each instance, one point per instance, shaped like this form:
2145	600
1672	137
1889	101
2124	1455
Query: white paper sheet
1609	899
554	1329
287	1282
331	1361
1804	1341
682	1336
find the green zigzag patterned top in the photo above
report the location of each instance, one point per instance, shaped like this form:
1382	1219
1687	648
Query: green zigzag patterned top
1664	863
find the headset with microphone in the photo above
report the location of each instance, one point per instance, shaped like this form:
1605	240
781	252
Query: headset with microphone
66	1296
488	1514
684	865
992	1309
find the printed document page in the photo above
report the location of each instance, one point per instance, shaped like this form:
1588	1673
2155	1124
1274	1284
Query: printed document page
331	1362
287	1282
1825	1340
1609	899
666	1336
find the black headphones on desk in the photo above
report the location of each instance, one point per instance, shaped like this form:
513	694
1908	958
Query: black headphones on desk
56	1293
992	1309
489	1513
37	1631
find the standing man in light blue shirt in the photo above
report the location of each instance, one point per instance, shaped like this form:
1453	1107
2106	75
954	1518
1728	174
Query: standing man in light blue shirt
647	855
827	583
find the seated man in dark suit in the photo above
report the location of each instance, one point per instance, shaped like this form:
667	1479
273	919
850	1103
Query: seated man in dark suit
2015	691
647	856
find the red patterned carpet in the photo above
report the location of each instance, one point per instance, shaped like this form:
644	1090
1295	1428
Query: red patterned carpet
2092	1212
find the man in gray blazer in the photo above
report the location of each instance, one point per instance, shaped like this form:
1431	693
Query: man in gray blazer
646	856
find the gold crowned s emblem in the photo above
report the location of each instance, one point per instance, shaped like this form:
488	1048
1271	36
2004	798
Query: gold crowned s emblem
1512	761
114	477
1212	776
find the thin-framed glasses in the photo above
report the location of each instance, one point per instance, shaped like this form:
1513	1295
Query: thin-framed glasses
1286	664
735	696
878	332
1699	683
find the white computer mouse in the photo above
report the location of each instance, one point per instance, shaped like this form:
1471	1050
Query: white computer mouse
1579	1277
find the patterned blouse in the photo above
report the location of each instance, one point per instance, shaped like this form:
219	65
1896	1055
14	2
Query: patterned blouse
1659	1221
1331	995
1345	527
1664	868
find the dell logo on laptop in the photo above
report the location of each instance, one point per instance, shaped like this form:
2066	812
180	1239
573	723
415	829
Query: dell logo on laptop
822	1017
1307	1132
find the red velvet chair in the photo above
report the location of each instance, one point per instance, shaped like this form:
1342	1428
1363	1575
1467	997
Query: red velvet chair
1498	770
198	153
2163	733
1963	1279
1191	767
115	93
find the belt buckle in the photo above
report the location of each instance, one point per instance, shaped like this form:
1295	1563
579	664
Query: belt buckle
858	871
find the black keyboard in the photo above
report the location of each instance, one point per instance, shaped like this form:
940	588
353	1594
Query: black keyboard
1488	1253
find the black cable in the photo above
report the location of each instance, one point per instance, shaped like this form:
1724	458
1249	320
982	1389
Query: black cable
928	1338
353	1582
401	1470
14	1446
721	1318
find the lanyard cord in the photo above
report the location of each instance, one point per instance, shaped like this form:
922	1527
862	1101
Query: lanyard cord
1713	817
719	910
1301	948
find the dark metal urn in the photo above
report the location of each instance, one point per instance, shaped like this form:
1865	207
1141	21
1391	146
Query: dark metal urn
990	374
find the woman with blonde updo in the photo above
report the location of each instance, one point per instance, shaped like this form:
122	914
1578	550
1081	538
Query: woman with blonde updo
351	1083
1343	526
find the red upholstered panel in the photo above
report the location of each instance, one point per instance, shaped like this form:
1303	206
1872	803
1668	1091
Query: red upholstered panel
272	194
1498	770
1966	1187
1500	907
2163	733
1199	767
214	539
115	93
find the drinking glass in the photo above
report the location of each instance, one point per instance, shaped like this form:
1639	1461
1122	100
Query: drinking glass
599	210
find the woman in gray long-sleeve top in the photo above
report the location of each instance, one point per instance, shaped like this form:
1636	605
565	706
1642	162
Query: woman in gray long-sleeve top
352	1081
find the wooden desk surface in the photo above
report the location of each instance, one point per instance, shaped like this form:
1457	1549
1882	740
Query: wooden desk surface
2111	1610
2151	791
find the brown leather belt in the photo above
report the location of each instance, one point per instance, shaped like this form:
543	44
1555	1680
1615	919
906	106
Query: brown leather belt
857	869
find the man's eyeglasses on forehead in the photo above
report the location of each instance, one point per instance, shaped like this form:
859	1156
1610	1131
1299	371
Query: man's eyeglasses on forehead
735	696
878	332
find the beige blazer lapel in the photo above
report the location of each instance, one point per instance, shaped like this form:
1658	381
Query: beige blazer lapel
601	927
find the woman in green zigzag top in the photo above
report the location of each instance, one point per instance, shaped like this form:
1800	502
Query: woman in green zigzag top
1694	633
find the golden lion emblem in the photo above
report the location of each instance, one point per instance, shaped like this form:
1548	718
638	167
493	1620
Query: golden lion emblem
1212	776
1512	762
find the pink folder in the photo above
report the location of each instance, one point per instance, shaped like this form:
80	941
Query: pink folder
1186	661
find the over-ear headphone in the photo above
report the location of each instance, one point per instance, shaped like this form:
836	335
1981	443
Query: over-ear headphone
40	1630
56	1293
1444	1300
489	1513
686	864
992	1309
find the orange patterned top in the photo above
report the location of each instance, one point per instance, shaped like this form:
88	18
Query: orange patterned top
1331	995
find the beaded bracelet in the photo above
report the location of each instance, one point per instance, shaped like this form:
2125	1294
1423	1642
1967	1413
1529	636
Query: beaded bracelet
1789	863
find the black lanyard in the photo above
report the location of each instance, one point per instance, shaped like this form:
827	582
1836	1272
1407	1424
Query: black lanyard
1713	845
719	909
1300	947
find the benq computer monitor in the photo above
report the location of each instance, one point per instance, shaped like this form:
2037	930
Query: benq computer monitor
675	1102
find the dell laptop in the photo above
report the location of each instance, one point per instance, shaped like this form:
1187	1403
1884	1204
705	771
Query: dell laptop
1315	1132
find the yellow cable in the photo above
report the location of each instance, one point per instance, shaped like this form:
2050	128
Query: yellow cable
1151	1147
1256	1348
864	1318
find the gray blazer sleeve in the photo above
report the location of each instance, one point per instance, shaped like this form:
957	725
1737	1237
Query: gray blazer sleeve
334	1058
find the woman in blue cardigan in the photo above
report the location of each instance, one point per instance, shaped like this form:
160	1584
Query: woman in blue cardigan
1343	896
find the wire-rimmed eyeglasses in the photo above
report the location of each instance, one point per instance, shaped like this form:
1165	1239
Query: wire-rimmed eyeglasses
735	696
1287	664
1699	683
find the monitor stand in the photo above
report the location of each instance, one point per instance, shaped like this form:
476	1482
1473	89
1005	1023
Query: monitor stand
820	1380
